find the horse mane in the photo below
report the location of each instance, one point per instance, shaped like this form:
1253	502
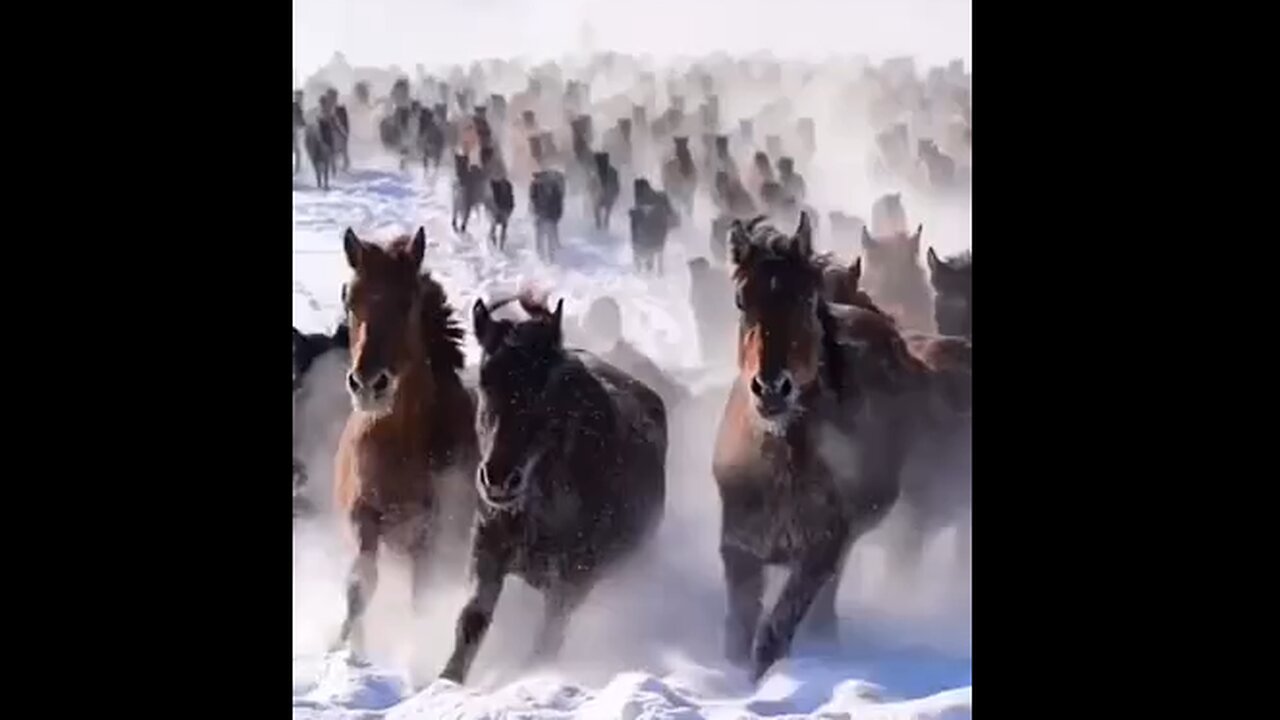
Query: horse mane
772	243
832	357
440	331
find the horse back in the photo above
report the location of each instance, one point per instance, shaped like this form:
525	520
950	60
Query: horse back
639	435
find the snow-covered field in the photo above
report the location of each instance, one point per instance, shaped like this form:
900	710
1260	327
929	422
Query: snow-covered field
646	644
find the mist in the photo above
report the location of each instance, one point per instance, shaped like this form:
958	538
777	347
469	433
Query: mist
437	32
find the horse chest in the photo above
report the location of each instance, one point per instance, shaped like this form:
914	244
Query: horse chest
545	550
780	512
391	480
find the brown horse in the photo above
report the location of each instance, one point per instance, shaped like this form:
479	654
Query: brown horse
573	478
895	279
405	459
952	281
811	443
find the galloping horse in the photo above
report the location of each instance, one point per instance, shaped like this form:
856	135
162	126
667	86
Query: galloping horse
811	443
405	460
573	478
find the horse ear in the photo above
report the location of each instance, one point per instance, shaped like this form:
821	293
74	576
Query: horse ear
480	321
868	242
932	258
914	242
418	248
855	271
557	316
351	246
802	241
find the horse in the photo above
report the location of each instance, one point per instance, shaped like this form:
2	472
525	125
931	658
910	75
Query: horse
319	360
500	203
810	445
342	126
573	477
404	460
888	217
299	122
711	297
652	219
952	281
680	176
431	139
602	327
792	182
546	197
895	280
468	191
845	233
321	142
604	190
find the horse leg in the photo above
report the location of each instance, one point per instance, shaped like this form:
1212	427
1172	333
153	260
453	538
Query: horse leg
821	623
561	601
487	572
362	581
744	579
807	579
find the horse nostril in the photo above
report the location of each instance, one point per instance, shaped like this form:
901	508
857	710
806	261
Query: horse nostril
756	388
784	387
353	382
381	382
513	480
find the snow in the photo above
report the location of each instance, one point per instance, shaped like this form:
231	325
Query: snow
646	643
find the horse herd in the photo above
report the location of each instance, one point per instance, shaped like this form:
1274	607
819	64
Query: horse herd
851	398
545	138
551	466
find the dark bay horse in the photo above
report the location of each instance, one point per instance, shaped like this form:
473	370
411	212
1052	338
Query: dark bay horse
811	442
894	278
952	281
573	476
404	462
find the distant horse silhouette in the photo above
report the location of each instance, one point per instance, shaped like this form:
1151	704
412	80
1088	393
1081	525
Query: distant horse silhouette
321	144
500	202
573	477
680	177
652	219
468	191
604	190
546	198
405	459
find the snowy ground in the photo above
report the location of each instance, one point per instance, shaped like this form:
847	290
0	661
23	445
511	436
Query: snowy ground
646	644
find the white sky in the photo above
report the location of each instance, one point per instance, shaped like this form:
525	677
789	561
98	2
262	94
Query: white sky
406	32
